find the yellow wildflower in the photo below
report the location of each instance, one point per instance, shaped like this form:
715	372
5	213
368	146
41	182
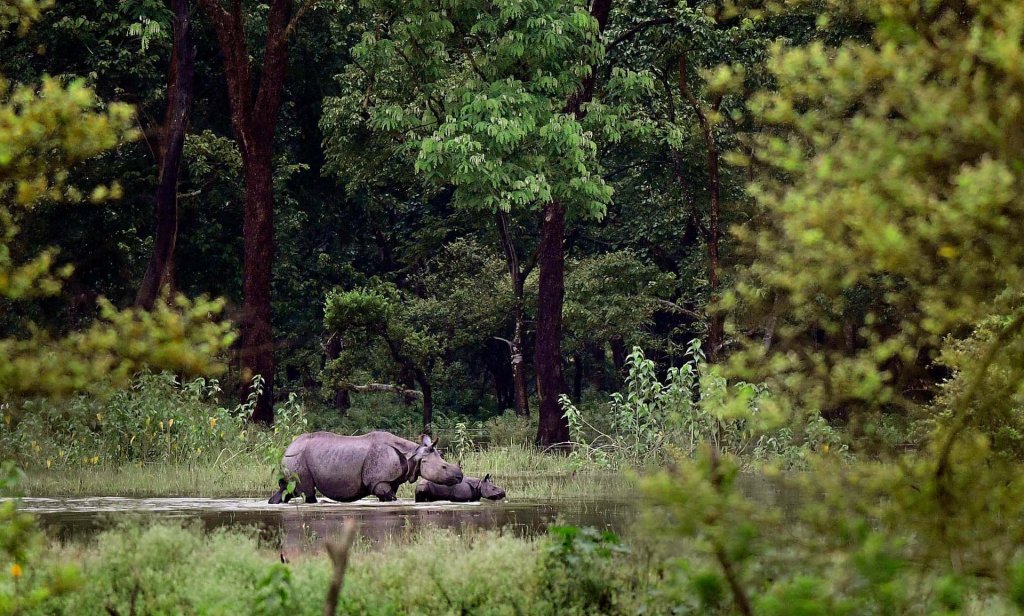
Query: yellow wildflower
213	423
161	424
825	447
16	570
948	252
170	422
49	463
95	459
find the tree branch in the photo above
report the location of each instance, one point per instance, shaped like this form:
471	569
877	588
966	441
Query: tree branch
293	24
371	388
637	29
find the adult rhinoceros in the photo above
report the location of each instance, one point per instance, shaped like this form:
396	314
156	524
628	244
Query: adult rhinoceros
347	468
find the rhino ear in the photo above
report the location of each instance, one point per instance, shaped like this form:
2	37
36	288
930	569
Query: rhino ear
487	477
425	440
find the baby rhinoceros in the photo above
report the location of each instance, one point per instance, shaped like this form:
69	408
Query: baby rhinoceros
469	490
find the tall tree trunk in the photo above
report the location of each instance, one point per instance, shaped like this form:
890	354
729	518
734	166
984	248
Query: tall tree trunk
522	399
256	348
716	326
553	427
253	121
160	271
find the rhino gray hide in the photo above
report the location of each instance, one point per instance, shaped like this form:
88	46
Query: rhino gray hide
469	490
347	468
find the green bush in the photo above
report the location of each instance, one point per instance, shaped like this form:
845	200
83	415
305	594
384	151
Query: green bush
510	429
157	419
693	405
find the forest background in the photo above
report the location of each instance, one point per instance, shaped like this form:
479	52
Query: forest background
711	233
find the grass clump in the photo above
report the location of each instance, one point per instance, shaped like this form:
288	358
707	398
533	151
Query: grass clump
239	477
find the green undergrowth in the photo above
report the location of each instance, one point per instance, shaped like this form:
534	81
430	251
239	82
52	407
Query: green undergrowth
170	569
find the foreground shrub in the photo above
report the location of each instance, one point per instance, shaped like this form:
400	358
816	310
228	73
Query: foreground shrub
167	568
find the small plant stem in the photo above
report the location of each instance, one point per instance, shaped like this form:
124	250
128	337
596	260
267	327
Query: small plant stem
339	552
739	595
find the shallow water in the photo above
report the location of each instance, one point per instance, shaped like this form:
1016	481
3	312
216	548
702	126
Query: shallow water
305	526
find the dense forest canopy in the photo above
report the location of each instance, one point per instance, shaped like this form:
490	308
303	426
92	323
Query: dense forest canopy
323	148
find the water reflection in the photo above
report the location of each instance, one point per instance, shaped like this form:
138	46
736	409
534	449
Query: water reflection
305	527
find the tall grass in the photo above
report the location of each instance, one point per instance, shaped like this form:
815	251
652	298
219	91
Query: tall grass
524	473
237	478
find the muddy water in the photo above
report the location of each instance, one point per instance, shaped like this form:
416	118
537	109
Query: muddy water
305	526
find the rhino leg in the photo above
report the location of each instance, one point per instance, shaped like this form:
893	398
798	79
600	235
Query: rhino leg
296	470
384	491
383	471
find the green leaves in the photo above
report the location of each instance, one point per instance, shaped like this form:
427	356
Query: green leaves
45	130
483	86
892	189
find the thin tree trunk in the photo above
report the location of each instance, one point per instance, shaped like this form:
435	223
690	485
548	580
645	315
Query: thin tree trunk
769	333
522	399
522	396
342	401
716	326
428	401
160	271
619	354
577	381
552	427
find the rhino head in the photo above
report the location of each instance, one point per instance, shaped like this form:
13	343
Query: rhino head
429	464
490	491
